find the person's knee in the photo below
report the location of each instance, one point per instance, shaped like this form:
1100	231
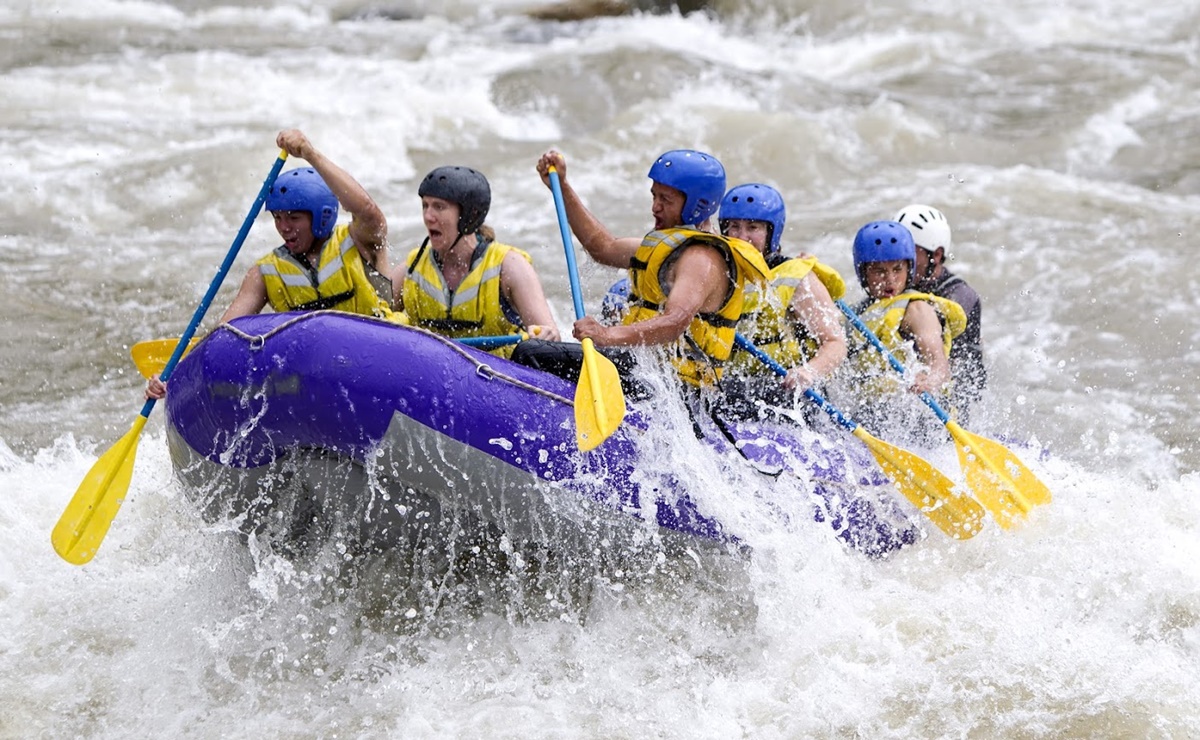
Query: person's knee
558	358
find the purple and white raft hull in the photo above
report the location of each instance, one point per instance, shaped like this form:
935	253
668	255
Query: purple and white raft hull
304	424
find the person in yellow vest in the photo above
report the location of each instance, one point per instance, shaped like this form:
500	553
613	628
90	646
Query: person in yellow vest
795	320
687	282
918	328
321	264
932	238
461	282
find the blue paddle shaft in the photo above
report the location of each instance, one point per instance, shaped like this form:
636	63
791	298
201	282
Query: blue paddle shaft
215	285
812	395
491	342
863	329
565	230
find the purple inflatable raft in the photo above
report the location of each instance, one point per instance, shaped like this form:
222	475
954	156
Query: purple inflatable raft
304	424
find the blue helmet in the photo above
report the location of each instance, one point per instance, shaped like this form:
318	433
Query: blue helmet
756	202
303	189
616	301
464	186
699	176
883	241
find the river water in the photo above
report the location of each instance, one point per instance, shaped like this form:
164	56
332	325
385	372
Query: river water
1060	139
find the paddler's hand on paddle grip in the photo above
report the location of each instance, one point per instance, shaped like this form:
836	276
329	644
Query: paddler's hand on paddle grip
155	389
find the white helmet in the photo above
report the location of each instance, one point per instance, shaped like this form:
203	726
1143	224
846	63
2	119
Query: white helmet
929	227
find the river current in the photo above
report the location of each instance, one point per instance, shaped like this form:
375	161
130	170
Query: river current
1061	140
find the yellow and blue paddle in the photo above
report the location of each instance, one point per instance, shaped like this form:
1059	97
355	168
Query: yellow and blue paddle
150	357
959	516
1001	481
489	343
599	400
81	528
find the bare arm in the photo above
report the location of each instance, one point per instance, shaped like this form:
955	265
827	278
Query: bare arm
251	296
523	290
814	308
595	238
701	283
368	226
921	323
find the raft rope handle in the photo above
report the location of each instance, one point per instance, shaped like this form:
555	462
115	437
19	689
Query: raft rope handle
482	369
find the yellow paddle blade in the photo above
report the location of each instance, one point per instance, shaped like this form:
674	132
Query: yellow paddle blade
599	400
959	516
1002	482
85	521
151	356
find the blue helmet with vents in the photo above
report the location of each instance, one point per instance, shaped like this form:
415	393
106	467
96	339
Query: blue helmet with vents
699	176
616	301
756	202
883	241
303	189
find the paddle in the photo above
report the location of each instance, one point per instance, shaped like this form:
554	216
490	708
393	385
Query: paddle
599	400
922	484
86	520
150	357
1001	481
493	342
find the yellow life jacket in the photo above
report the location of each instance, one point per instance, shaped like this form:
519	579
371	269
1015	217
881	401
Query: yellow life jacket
767	320
474	309
883	317
339	282
700	354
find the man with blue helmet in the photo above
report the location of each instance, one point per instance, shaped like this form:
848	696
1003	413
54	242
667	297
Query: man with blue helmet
687	282
795	321
321	264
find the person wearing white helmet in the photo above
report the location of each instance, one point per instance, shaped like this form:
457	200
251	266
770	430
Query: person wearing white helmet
931	236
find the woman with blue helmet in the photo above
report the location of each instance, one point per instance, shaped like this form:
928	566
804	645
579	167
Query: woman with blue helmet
687	282
795	321
321	264
917	327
